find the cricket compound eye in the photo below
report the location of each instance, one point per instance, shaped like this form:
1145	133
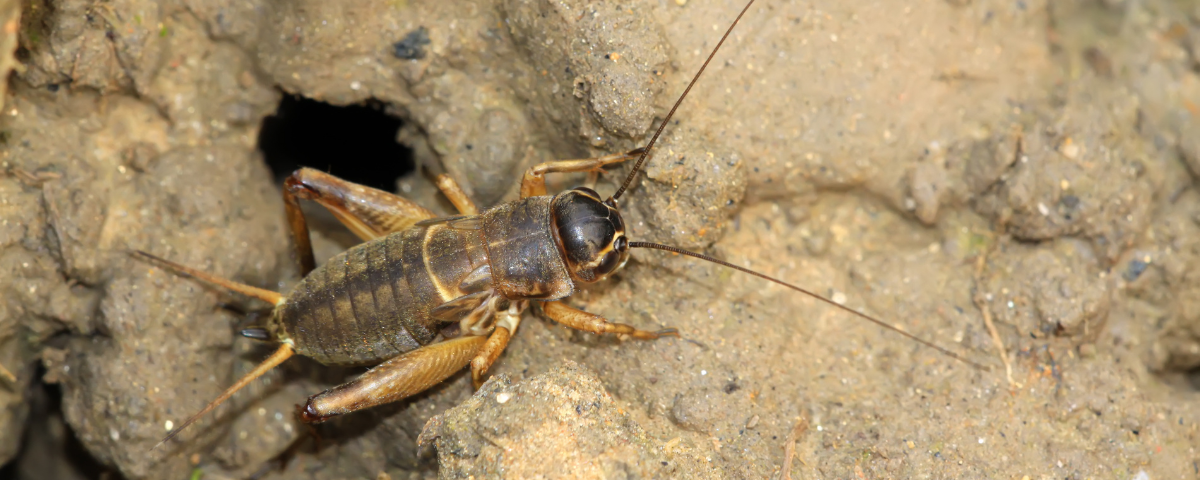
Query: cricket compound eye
591	234
622	244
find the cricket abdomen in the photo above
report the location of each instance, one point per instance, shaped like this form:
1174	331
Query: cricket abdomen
373	301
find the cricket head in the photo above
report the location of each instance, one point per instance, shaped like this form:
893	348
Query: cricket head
590	234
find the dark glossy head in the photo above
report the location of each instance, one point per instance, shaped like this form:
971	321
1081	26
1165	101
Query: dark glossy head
590	232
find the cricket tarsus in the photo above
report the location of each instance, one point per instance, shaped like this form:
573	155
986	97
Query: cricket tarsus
646	150
811	294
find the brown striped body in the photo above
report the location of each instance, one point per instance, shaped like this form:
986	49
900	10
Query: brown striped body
374	301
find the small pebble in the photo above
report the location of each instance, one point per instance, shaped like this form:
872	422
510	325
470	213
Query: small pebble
838	298
169	425
1070	149
503	397
1135	270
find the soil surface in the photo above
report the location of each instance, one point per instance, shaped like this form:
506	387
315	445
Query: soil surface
1011	180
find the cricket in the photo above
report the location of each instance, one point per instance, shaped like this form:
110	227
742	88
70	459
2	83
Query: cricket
424	297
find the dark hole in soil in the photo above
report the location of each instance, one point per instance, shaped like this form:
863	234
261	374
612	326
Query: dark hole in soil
1185	379
49	448
356	142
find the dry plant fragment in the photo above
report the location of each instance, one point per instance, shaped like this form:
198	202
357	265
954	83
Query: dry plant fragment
789	447
981	304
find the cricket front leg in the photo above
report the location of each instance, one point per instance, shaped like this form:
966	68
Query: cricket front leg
588	322
533	184
506	326
394	380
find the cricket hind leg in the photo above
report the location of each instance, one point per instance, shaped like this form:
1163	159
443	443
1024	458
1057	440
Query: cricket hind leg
368	212
394	380
284	352
588	322
533	183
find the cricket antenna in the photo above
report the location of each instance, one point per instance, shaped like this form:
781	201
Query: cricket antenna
811	294
646	150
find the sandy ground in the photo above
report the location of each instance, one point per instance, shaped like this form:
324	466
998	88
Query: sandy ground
940	164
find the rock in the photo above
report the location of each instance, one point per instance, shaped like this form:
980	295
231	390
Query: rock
560	424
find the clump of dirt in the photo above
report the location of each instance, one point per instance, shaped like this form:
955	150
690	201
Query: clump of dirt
1081	170
1055	289
558	424
941	165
